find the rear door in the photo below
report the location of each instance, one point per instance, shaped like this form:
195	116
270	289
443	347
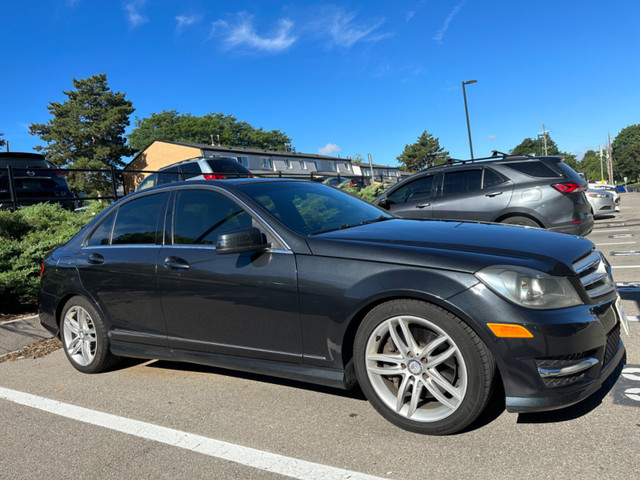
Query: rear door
118	267
472	193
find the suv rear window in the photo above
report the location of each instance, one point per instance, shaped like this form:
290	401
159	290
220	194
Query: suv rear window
533	168
24	163
224	165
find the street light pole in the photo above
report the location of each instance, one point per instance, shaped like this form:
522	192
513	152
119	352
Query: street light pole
466	111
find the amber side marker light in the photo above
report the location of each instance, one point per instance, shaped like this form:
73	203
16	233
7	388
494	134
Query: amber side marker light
506	330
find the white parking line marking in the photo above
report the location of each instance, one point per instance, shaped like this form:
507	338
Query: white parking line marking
270	462
626	266
609	230
615	243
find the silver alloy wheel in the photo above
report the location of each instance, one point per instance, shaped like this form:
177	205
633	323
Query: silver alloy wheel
416	368
79	336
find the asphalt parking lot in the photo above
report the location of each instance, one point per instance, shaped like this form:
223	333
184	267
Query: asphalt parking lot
170	420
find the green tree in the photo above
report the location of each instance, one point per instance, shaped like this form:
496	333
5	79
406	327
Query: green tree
87	132
170	125
2	140
590	165
424	152
536	147
626	153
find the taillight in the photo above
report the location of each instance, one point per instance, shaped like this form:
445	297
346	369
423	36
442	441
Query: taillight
214	176
569	187
41	269
60	173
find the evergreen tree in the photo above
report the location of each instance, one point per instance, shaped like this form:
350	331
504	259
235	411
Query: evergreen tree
87	132
424	152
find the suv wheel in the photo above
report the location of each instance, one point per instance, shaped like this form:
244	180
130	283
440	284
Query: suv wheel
422	367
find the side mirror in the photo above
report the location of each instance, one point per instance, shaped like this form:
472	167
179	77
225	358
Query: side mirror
248	239
383	202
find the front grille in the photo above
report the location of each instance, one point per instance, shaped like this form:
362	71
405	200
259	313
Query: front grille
593	274
613	340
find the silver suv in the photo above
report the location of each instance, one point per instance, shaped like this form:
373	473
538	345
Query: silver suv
522	190
199	168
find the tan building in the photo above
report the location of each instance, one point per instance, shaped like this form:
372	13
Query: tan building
288	164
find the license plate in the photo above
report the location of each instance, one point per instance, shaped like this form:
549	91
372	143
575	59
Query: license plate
624	321
30	184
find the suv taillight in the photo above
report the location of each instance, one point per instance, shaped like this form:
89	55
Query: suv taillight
214	176
60	173
570	187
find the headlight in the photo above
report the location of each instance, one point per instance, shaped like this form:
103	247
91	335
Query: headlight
530	288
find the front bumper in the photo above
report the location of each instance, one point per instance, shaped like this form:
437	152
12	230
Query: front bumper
572	352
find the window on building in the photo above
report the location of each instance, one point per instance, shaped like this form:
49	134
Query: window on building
317	165
265	163
244	161
287	163
303	164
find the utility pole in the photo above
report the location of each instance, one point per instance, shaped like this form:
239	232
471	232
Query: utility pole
544	137
601	170
609	160
371	167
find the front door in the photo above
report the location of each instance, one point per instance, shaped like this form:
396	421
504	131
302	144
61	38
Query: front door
242	304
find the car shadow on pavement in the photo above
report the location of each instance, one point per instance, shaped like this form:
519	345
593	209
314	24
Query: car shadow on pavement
354	393
579	409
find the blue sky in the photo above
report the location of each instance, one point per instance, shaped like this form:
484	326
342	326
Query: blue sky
343	78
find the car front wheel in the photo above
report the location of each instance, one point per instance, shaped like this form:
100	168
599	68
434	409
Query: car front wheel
422	368
84	337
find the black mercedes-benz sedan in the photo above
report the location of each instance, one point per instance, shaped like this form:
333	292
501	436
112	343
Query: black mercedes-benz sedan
296	279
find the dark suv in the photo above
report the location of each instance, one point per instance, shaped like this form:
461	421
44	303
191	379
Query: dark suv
34	180
523	190
199	168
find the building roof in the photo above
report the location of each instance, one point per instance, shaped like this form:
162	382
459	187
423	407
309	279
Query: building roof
255	151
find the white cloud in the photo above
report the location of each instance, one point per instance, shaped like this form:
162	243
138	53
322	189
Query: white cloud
491	137
243	34
134	16
183	21
328	149
345	32
445	26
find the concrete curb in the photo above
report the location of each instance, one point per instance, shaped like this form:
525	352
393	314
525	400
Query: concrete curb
17	334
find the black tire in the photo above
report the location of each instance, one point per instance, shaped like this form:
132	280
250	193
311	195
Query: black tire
453	380
517	220
84	337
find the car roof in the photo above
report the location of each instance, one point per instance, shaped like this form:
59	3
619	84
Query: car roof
21	155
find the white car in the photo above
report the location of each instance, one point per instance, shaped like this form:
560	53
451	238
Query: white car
601	201
609	188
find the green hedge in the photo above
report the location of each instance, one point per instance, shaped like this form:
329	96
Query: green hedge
27	236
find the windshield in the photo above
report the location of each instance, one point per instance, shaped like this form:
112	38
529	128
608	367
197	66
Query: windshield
310	208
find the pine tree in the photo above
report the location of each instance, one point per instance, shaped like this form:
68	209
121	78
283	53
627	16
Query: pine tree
87	132
426	151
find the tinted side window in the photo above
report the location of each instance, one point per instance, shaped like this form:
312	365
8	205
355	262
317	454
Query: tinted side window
462	181
191	170
492	178
149	182
137	221
201	215
102	234
168	176
533	168
417	190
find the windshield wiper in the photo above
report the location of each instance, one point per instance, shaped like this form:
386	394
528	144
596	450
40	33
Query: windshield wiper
344	226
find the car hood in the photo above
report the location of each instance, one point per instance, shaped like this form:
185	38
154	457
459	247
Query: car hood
454	245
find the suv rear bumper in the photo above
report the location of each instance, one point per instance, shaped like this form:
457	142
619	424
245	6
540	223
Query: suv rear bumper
583	228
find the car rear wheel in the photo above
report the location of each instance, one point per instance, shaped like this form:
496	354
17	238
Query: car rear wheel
84	337
422	368
521	221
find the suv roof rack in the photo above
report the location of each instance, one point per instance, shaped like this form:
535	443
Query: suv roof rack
495	155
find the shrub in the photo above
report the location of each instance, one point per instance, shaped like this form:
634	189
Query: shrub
27	236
